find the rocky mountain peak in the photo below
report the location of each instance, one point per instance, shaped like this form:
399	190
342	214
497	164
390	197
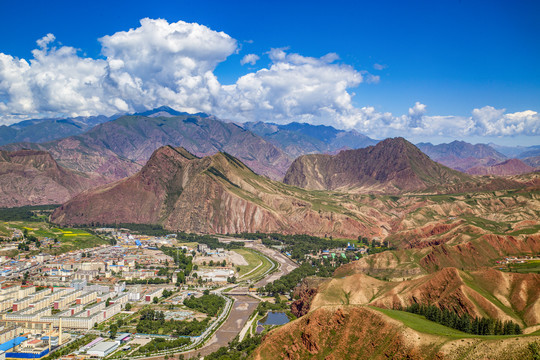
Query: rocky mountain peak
393	165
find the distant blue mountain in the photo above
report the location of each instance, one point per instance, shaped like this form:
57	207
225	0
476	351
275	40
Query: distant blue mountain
520	152
43	130
299	138
168	111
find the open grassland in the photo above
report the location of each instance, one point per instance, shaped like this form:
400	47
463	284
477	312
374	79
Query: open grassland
258	264
252	259
68	239
188	244
531	266
421	324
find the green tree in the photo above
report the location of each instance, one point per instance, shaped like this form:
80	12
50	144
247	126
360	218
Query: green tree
180	278
113	329
155	300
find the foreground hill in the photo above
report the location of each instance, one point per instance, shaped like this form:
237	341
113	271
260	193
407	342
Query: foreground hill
466	231
358	332
118	148
214	194
299	139
352	317
29	177
391	166
486	292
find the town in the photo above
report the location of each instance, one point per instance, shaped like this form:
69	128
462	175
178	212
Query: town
105	301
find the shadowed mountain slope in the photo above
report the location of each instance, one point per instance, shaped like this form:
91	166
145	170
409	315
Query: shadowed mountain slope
505	168
29	177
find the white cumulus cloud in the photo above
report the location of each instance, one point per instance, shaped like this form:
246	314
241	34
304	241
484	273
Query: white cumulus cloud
415	114
293	88
162	63
249	59
155	64
486	121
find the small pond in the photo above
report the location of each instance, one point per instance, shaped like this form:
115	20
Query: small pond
274	318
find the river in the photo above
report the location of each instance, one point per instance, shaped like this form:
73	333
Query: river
243	306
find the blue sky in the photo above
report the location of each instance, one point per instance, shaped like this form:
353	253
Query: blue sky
450	57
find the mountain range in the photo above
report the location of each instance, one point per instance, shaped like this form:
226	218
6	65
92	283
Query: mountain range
518	152
221	194
118	148
105	150
299	139
213	194
462	156
507	167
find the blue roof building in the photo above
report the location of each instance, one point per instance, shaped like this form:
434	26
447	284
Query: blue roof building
8	345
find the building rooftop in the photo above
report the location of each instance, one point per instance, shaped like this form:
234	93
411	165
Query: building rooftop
12	343
104	346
